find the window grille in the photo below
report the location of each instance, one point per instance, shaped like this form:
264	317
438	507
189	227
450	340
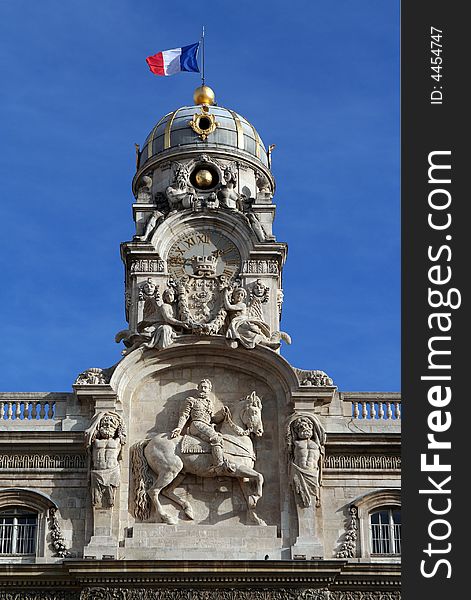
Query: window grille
386	531
18	531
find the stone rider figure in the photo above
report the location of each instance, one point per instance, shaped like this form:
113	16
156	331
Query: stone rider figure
199	411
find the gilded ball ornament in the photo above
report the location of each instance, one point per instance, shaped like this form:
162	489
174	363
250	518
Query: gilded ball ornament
203	178
204	95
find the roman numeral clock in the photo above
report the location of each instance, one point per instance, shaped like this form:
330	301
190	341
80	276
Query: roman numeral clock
204	251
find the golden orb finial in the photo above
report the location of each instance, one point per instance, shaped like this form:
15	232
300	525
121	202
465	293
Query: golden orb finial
204	95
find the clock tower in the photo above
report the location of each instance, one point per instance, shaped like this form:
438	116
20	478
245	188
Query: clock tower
204	214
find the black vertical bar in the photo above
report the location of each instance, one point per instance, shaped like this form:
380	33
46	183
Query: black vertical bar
435	126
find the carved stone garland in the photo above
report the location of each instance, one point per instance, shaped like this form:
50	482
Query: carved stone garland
349	546
58	541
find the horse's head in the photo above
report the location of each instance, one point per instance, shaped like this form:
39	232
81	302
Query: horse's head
251	414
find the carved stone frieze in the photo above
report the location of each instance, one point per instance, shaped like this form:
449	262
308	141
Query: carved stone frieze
349	547
147	265
102	593
40	595
42	461
58	541
94	376
379	462
139	593
260	267
315	378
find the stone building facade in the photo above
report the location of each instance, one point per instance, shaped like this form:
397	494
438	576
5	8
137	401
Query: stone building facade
202	464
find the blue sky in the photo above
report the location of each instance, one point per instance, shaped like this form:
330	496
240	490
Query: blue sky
320	79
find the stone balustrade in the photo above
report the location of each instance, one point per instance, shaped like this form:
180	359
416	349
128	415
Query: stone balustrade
371	408
27	409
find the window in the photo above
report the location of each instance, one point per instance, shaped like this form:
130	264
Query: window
386	531
18	531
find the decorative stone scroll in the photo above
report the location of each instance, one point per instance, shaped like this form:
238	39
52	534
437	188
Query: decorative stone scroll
349	546
380	462
315	378
147	265
260	267
105	438
58	541
94	376
42	461
305	437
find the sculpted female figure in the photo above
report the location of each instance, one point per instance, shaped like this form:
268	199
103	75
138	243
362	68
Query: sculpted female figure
246	326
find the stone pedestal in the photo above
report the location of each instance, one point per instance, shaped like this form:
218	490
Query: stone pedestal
199	542
103	544
308	544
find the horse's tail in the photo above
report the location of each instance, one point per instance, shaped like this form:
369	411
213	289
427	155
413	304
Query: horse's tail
142	480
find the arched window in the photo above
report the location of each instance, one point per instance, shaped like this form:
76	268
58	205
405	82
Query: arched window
385	525
18	531
379	525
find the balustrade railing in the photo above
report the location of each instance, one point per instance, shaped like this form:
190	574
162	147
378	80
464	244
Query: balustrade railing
27	410
376	409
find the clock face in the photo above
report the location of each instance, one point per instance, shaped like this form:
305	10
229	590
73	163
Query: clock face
203	252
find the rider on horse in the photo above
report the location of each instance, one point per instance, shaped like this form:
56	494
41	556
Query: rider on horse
199	411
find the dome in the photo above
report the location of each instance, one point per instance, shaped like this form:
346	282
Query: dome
203	128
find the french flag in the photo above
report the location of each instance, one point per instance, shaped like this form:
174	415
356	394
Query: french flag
169	62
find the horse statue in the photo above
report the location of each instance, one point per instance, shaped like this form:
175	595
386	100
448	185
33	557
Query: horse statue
170	459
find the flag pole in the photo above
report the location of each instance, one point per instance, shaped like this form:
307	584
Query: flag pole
202	55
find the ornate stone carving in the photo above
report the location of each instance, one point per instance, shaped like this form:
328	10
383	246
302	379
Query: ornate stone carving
379	462
45	462
201	300
260	267
181	194
141	593
227	195
144	191
156	217
246	326
158	327
229	451
279	300
92	376
254	221
147	265
148	290
349	547
40	595
263	187
58	542
260	290
314	378
101	593
305	438
105	438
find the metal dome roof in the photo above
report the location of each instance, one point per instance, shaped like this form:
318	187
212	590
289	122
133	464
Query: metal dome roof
174	131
